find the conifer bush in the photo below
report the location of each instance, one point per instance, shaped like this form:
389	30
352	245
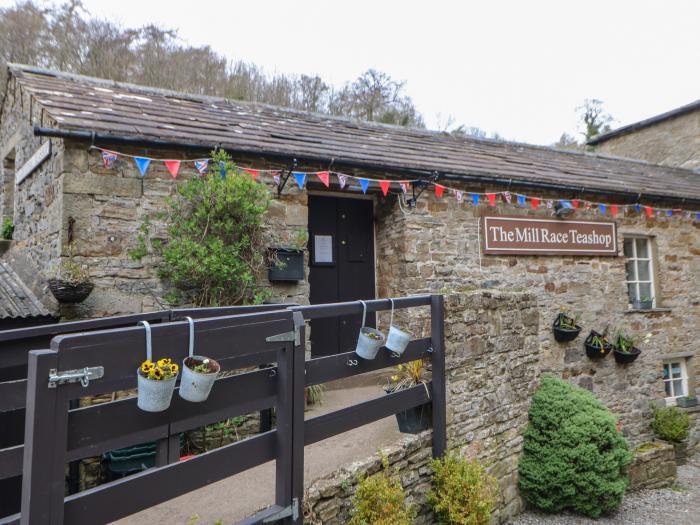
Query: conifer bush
573	456
380	500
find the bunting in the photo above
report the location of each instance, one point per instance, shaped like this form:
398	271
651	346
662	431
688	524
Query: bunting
300	177
404	186
384	185
324	177
492	198
109	158
202	166
458	195
342	180
364	184
475	198
253	173
222	169
507	196
142	164
173	167
439	189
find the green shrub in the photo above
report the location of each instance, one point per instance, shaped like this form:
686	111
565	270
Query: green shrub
573	457
8	229
670	424
463	492
380	500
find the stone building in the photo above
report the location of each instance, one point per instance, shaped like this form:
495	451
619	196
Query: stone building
671	138
373	243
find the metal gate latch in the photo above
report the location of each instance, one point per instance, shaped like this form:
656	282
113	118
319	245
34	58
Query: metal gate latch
82	375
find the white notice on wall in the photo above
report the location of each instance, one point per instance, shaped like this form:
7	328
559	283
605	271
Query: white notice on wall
323	248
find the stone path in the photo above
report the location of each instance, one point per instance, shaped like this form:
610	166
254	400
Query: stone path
679	505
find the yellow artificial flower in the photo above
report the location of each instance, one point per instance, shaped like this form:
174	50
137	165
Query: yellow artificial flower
174	368
164	362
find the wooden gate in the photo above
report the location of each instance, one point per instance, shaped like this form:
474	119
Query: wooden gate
55	434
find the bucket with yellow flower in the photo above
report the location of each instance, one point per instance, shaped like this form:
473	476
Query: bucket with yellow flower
156	379
416	419
198	373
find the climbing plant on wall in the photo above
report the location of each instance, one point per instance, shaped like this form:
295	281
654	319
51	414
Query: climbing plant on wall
214	248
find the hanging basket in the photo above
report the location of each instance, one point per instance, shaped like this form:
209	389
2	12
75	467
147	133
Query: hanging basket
70	293
626	357
564	335
370	339
196	386
153	395
397	340
593	351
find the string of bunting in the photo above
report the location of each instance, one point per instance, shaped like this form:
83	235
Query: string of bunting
205	165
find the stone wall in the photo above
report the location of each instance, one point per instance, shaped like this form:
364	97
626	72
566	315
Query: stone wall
492	366
672	142
653	466
436	247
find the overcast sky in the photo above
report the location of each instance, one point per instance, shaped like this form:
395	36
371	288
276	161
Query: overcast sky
516	67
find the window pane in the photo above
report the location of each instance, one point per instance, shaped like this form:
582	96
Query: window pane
678	388
632	291
631	274
666	372
645	290
667	384
644	270
629	248
676	370
642	248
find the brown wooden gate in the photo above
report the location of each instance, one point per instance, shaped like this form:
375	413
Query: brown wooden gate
55	434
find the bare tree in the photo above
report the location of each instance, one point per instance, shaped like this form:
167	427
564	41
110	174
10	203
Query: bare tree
593	118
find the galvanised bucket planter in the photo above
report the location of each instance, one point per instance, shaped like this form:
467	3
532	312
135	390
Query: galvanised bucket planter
397	340
153	395
195	386
370	339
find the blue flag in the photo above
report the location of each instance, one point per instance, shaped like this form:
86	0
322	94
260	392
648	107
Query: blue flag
142	164
223	169
669	213
300	177
475	198
521	200
364	183
602	208
637	208
697	216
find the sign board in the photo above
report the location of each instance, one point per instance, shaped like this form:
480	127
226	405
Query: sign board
323	249
508	235
34	162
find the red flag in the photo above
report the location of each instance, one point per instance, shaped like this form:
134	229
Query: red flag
535	203
575	203
253	173
439	189
613	210
492	198
404	186
384	185
325	177
649	211
173	166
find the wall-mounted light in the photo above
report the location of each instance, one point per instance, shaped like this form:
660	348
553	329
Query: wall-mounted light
564	209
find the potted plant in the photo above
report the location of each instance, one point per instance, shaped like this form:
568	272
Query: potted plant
416	419
156	383
566	326
198	377
687	401
672	425
597	345
643	303
6	235
71	283
625	347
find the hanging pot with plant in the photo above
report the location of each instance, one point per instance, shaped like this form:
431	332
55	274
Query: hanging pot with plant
566	326
625	347
156	380
397	340
198	373
71	284
370	339
597	345
416	419
687	401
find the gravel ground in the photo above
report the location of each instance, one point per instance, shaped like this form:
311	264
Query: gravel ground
678	506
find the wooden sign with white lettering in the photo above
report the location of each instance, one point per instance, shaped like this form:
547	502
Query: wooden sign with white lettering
509	235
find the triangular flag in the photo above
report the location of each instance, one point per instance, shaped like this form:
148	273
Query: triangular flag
253	173
550	204
588	205
535	202
384	185
276	177
439	189
300	177
222	170
202	166
649	211
364	184
342	180
613	210
142	164
507	196
602	208
575	203
458	195
324	176
108	158
173	166
475	199
404	186
637	208
521	200
697	216
669	213
492	198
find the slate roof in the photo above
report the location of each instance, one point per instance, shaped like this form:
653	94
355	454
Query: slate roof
89	104
16	300
630	128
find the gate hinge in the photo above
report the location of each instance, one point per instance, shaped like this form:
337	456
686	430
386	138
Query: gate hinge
286	337
82	375
291	511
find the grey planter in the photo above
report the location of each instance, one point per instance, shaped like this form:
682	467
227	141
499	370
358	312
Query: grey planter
642	305
686	402
4	246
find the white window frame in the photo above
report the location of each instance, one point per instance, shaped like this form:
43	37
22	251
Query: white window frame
634	259
671	400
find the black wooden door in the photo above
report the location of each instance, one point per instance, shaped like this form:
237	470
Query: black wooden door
341	244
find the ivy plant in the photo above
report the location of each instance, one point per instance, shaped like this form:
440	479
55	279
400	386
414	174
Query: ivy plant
215	243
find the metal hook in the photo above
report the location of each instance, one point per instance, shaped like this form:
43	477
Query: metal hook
395	355
353	362
430	350
273	372
85	380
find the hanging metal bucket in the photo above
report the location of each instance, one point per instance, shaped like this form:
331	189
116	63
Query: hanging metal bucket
370	339
153	396
397	340
196	386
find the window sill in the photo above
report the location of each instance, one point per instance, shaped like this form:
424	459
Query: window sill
648	311
689	410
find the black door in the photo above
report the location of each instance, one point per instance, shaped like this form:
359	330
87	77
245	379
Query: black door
341	244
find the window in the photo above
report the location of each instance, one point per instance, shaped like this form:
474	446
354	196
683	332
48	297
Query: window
675	380
640	269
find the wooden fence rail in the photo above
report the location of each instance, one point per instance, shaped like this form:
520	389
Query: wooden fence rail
56	434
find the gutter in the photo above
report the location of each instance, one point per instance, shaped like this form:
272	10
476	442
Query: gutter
510	184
